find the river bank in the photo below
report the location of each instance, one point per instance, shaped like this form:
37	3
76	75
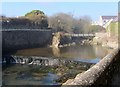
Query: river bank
105	40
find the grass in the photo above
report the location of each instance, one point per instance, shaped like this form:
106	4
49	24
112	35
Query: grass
113	27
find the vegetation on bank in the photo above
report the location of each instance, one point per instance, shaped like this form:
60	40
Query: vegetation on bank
96	28
113	28
110	37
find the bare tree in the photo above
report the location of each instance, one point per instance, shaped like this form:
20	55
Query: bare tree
85	22
66	22
81	25
61	21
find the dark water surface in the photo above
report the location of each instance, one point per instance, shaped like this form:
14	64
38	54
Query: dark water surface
52	65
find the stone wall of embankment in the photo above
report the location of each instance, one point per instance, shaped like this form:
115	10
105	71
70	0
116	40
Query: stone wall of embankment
20	39
105	40
100	74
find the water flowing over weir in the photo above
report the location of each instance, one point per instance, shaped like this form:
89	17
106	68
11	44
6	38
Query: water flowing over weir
45	61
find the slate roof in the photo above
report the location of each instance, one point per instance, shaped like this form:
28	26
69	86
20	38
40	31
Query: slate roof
115	19
108	17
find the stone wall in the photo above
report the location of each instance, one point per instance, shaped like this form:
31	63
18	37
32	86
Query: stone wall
100	74
105	40
20	39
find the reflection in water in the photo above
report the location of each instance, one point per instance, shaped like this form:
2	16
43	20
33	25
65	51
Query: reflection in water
100	51
56	51
84	51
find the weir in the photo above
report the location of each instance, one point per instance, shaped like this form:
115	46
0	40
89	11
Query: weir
41	61
103	73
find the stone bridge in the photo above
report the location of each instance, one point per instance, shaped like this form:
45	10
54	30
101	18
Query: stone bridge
61	38
79	37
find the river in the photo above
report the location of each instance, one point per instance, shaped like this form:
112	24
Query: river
62	64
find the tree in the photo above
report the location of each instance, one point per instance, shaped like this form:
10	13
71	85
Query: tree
85	22
61	21
34	13
77	26
96	28
66	22
38	18
81	25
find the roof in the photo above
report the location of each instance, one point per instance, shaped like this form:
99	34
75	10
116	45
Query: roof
108	17
115	19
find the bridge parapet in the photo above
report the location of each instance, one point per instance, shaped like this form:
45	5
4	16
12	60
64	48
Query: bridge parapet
99	74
